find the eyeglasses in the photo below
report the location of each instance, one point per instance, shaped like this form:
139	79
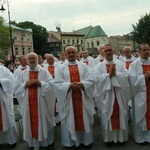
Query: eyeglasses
108	50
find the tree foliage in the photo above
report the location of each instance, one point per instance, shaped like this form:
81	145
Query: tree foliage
40	35
4	37
141	31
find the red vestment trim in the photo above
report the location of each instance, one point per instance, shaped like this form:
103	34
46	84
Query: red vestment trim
51	70
1	121
115	119
101	60
145	69
128	64
33	106
77	99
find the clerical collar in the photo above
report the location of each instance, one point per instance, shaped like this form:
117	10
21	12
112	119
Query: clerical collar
85	59
72	62
51	65
23	67
128	59
35	69
145	61
109	62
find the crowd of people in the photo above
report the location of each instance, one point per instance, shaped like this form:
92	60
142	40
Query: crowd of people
73	87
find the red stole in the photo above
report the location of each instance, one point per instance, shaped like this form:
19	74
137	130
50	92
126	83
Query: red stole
33	105
1	121
77	99
51	70
128	64
115	121
145	69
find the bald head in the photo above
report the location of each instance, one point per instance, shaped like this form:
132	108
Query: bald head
71	53
50	59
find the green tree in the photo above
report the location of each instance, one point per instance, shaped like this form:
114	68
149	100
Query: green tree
141	31
40	35
4	37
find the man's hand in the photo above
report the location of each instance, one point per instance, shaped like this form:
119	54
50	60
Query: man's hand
37	83
76	85
112	71
32	82
147	75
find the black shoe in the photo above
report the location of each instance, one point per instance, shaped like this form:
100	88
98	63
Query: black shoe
31	148
90	146
1	145
51	146
11	146
69	148
142	144
122	143
109	144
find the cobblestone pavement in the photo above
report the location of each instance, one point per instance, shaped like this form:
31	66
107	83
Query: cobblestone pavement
97	144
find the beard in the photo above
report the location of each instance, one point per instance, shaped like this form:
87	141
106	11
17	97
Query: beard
33	65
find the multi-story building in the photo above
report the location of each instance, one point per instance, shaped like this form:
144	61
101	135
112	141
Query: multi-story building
57	41
118	42
94	36
22	43
86	38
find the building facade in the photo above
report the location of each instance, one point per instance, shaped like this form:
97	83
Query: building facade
57	41
22	43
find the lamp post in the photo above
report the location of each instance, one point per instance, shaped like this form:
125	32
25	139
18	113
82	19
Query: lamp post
10	29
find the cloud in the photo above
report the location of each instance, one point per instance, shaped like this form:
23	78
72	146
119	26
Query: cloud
115	17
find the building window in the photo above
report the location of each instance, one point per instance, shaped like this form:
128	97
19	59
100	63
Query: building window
6	53
88	45
16	51
68	41
81	41
92	44
15	37
72	41
22	38
28	38
97	43
29	50
23	51
63	41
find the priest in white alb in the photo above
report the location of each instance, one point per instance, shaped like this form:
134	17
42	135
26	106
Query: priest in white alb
74	90
139	73
34	92
8	131
23	65
52	66
111	79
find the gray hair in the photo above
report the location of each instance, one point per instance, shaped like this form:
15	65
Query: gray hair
100	46
32	53
127	47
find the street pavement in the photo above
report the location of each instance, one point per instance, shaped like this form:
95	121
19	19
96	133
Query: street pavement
98	144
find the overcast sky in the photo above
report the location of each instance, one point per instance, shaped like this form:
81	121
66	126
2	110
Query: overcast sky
114	16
